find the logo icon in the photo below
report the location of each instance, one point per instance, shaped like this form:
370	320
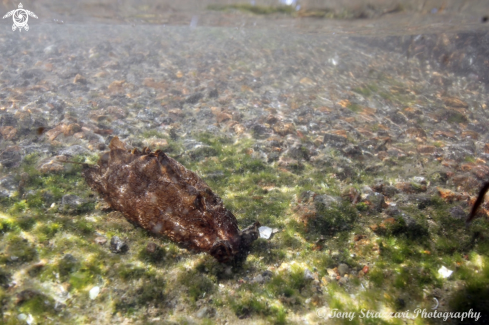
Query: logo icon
20	17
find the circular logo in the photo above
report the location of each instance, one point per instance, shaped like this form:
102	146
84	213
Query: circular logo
20	18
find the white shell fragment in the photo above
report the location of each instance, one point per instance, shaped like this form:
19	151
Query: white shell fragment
419	179
30	320
265	232
94	292
444	272
26	318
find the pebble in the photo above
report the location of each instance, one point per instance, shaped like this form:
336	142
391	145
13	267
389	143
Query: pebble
74	151
197	150
71	201
260	131
151	247
267	273
68	264
308	275
336	141
51	49
389	190
194	98
118	246
377	202
93	293
9	183
55	165
79	79
343	269
100	240
420	180
8	132
457	212
258	279
10	157
205	312
326	201
213	93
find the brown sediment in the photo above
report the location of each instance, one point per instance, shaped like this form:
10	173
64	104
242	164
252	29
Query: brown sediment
160	195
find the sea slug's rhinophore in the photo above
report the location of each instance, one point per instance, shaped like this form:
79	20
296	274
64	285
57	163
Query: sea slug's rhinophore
159	194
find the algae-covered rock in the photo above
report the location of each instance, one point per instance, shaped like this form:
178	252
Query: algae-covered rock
332	214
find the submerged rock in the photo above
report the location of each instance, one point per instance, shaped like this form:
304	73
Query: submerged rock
118	246
71	203
343	269
9	183
308	275
10	157
67	265
206	311
334	140
376	201
457	212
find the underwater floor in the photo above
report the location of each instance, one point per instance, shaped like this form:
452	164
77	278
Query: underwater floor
364	159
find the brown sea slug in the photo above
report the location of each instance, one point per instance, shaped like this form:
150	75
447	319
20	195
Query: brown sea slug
159	194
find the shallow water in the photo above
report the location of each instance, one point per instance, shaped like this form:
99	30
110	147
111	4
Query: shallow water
361	144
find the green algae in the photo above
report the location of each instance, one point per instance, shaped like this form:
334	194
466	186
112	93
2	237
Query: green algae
38	304
266	194
85	227
368	90
289	238
156	258
68	265
150	289
198	284
456	117
473	295
8	225
86	273
354	107
330	219
251	300
18	250
5	278
130	272
246	304
47	230
469	159
270	253
152	134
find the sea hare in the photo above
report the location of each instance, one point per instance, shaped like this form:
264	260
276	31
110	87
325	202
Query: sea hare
159	194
